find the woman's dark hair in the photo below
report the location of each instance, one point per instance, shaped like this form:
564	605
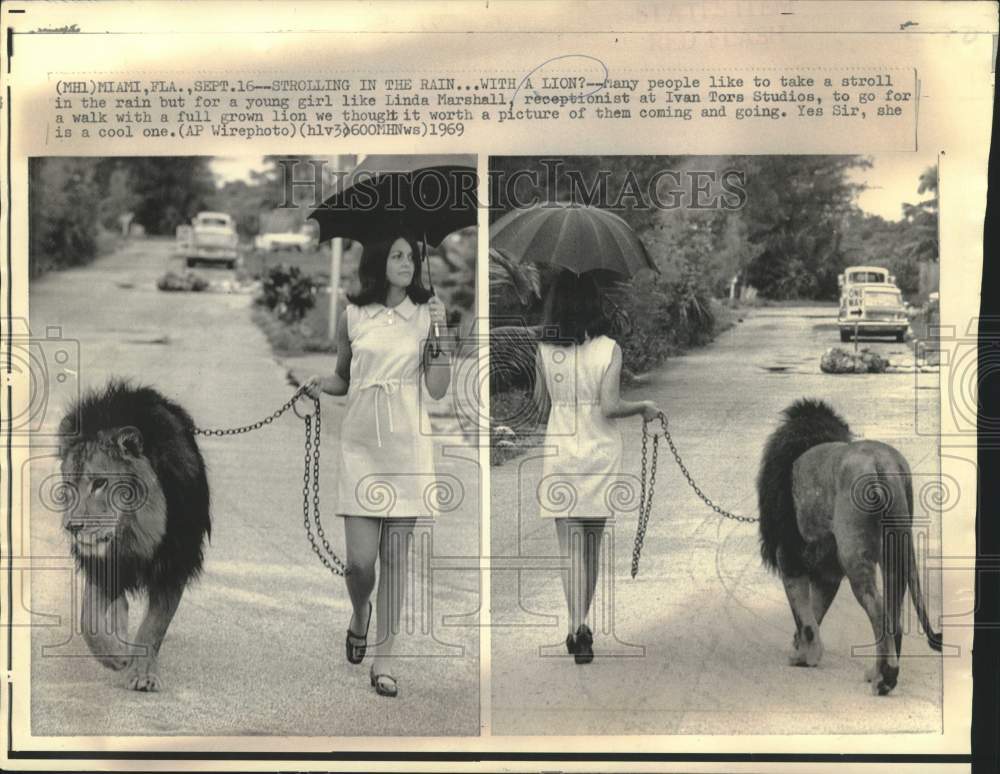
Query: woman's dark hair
371	274
574	309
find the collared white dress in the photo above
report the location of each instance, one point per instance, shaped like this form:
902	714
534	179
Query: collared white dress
582	468
386	450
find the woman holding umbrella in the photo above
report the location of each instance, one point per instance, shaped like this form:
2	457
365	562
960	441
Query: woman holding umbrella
386	482
578	371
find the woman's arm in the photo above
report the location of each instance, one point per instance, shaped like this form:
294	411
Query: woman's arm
437	369
540	394
338	382
612	404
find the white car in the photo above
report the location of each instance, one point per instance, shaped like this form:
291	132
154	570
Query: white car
870	304
211	238
288	240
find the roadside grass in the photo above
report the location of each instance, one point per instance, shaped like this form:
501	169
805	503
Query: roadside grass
305	337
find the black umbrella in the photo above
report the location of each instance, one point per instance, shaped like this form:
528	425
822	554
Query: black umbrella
427	197
576	237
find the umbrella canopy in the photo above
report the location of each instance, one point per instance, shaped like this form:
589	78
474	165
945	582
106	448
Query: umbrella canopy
573	236
427	197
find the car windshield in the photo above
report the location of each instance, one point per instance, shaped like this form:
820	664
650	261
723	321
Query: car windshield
220	222
867	276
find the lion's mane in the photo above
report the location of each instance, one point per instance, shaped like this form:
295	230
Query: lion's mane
168	443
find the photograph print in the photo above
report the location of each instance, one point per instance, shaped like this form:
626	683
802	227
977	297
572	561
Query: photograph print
253	441
714	445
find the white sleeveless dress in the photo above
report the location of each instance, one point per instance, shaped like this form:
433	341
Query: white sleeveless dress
585	456
386	450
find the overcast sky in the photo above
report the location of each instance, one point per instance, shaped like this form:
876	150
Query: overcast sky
893	179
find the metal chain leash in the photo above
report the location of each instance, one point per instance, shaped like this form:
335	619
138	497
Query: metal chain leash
330	560
256	425
310	477
646	495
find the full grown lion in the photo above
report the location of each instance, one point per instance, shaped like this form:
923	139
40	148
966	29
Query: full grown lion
137	520
831	506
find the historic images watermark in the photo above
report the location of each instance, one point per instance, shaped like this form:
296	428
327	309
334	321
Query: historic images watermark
309	182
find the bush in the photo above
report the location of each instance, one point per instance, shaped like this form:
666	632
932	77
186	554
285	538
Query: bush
665	316
62	229
288	293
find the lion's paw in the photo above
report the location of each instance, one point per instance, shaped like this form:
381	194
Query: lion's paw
143	679
806	655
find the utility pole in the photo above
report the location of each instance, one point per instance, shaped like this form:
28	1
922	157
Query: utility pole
336	258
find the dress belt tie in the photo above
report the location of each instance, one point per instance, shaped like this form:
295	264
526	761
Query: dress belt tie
387	388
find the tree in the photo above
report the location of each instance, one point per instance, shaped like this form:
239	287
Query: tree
169	190
118	197
922	241
62	228
796	212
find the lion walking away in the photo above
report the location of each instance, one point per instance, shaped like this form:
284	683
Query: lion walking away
832	507
138	521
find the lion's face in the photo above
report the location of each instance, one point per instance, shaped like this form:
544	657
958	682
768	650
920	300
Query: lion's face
118	505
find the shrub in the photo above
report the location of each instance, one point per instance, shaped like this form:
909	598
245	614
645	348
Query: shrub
665	316
62	227
288	292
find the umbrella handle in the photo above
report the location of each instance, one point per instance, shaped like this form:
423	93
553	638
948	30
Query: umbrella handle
436	346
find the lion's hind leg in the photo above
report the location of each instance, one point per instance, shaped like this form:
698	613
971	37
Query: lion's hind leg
825	577
143	673
883	675
823	590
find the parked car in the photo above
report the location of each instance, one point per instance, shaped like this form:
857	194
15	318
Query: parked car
211	238
302	240
870	304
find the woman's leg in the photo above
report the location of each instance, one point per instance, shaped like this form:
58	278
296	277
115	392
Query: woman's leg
580	542
593	534
362	537
563	534
394	549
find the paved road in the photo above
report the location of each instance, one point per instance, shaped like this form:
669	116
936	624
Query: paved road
700	638
257	645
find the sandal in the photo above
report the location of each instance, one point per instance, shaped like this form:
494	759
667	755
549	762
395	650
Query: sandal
584	652
387	688
357	644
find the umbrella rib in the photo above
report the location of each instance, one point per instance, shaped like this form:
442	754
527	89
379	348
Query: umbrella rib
598	239
563	230
621	238
621	231
518	234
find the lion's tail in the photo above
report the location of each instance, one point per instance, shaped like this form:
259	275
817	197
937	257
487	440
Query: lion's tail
913	582
806	423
